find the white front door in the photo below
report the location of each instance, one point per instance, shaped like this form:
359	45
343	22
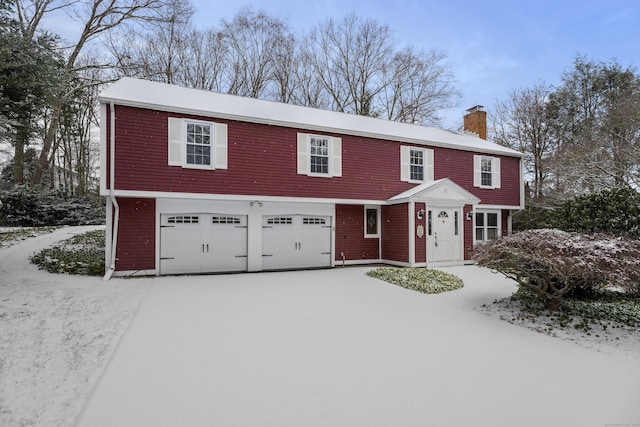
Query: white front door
444	234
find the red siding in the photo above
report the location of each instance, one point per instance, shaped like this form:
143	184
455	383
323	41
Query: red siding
421	242
350	238
136	235
262	161
505	222
468	232
395	228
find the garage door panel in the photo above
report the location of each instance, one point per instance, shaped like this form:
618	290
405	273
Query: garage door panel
296	241
203	243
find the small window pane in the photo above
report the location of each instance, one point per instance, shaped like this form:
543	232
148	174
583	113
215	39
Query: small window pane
492	219
416	165
455	223
479	233
479	219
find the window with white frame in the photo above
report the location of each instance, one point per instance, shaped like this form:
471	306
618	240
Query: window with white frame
416	164
197	144
371	221
319	155
486	171
487	226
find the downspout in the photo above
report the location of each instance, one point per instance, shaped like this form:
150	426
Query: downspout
112	179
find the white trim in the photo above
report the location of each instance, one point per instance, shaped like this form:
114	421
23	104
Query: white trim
184	144
334	155
358	262
103	148
485	211
495	172
522	183
505	207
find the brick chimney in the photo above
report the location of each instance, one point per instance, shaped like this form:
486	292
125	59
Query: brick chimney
476	121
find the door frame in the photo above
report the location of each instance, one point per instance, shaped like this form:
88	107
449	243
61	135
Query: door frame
457	257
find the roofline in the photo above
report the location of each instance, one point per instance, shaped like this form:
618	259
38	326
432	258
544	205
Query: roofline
292	124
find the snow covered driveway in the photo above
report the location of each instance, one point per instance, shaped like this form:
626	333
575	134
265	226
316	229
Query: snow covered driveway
337	348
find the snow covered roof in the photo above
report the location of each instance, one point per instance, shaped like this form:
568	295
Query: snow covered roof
161	96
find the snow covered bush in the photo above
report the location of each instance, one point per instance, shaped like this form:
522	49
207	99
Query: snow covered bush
80	254
553	263
21	207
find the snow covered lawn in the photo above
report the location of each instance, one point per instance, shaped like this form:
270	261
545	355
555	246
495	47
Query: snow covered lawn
305	348
57	333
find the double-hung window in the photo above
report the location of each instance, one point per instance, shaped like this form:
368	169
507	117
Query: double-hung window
416	164
319	155
486	172
487	226
197	144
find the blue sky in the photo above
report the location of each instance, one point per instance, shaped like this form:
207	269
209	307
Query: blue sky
493	46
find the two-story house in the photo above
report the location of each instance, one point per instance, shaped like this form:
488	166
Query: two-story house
199	182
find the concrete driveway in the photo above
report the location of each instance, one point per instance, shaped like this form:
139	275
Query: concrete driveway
337	348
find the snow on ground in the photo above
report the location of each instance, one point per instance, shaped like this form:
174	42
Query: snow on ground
57	333
326	348
337	348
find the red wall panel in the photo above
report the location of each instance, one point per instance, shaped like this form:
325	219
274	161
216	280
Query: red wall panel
421	242
136	235
395	236
350	238
262	160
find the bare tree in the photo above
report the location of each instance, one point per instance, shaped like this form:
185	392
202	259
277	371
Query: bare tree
349	57
520	123
419	85
204	58
98	17
254	42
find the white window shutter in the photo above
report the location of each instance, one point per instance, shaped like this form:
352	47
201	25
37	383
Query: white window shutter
175	141
429	165
336	154
303	154
404	163
220	143
477	171
496	172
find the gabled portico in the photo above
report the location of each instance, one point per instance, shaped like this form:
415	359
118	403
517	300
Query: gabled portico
440	229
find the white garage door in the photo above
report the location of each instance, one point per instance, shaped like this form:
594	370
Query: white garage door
296	241
203	243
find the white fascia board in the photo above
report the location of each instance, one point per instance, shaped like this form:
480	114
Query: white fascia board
245	198
103	150
498	207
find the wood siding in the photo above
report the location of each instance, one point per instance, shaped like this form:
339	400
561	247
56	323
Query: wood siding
136	235
350	238
395	233
262	161
421	242
468	232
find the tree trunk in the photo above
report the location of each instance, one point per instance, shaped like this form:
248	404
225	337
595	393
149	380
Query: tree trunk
43	160
18	157
553	304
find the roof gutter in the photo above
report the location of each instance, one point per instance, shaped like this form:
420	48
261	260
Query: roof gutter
112	197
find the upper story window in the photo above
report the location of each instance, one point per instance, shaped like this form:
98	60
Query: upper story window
197	144
486	172
416	161
416	164
319	155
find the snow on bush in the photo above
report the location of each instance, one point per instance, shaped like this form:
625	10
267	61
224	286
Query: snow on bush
554	262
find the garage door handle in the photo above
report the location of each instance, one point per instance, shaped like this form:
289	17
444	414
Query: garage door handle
166	258
267	255
241	256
